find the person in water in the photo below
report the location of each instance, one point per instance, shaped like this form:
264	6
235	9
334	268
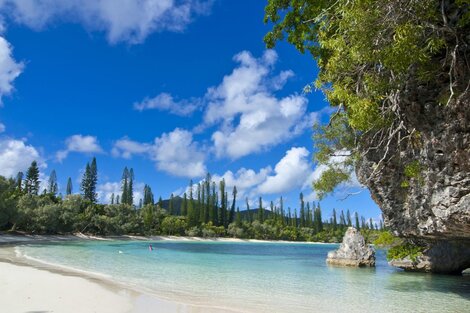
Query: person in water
150	248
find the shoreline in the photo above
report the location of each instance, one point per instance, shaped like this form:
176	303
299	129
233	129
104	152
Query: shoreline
20	271
14	239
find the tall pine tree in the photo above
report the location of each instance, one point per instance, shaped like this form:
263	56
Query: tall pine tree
335	223
302	210
222	208
342	220
52	183
19	181
184	205
260	210
125	186
317	219
348	218
191	210
171	205
93	181
31	183
69	189
89	180
248	212
356	221
148	195
232	208
130	188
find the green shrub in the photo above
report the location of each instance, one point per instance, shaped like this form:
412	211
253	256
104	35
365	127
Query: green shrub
405	250
386	239
193	232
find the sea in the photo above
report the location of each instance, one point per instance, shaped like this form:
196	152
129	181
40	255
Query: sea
256	276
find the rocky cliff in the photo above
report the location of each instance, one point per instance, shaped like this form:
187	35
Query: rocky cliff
423	183
433	202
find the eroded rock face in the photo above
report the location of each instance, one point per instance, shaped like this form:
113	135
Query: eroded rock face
353	251
432	206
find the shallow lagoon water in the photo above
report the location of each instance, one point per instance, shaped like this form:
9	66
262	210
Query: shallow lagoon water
259	277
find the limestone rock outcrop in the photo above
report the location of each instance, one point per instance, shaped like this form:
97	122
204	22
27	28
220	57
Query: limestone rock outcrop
435	203
353	251
431	205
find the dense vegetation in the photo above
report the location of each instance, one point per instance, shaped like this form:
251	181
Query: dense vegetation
207	210
371	54
405	250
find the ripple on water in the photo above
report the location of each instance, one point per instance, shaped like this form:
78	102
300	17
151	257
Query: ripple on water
260	277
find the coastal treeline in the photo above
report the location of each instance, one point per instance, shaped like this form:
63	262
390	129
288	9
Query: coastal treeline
206	209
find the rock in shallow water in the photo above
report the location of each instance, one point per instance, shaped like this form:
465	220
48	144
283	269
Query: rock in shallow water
353	251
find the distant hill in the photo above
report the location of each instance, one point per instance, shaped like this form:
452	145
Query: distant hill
254	214
177	202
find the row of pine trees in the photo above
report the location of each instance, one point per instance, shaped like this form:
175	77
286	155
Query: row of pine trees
203	203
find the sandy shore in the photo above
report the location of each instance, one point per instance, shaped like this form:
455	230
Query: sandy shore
29	286
27	289
6	239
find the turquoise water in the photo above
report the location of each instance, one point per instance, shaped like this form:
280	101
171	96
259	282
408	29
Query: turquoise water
259	277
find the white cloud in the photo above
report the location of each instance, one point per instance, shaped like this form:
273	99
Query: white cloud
166	102
279	81
125	148
105	191
175	153
16	156
289	173
125	20
81	144
250	116
2	127
246	180
9	68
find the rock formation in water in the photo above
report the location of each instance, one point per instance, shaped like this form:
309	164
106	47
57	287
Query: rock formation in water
353	251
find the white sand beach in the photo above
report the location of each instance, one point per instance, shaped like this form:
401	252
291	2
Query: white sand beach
26	289
28	286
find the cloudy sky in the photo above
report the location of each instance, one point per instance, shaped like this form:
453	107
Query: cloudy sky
173	89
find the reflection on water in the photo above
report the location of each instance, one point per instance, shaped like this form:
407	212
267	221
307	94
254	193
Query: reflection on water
416	282
261	277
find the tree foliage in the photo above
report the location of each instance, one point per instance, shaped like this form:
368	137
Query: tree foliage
52	187
31	183
69	189
368	52
89	180
207	214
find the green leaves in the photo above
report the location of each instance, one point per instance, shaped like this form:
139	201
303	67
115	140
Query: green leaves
367	51
405	250
331	178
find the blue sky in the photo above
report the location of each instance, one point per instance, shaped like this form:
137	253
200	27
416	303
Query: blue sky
173	89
